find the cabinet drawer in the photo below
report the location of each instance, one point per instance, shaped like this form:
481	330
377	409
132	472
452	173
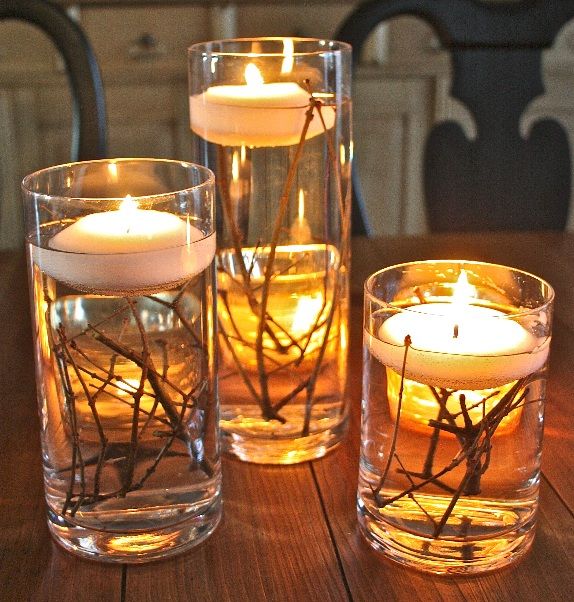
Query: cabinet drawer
140	39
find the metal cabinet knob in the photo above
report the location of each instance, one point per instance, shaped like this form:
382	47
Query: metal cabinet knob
146	47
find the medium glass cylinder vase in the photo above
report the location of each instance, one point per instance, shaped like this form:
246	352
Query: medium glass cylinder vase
272	118
121	278
453	405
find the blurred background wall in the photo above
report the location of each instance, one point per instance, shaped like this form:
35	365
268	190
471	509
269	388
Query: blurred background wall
400	91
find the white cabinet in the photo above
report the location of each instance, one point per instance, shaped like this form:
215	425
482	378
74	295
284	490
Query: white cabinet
142	55
393	115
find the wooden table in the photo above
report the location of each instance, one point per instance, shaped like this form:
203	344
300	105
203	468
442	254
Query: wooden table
290	533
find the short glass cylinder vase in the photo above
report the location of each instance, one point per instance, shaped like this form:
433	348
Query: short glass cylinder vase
272	118
120	256
453	405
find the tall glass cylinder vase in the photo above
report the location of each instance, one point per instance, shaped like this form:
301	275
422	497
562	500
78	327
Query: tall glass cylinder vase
272	118
121	275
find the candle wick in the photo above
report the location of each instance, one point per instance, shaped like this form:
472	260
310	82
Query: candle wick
455	332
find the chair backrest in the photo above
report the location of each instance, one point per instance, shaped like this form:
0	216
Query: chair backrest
499	180
88	101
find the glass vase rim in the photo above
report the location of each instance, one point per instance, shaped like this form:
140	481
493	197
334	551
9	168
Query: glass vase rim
209	178
548	297
204	46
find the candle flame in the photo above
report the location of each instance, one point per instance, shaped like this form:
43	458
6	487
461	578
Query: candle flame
463	291
343	154
113	171
306	315
301	206
462	294
128	207
128	204
131	386
253	76
288	61
300	230
235	167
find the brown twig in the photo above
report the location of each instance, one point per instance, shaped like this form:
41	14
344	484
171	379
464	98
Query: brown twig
412	495
319	362
77	457
391	453
236	238
266	406
153	376
266	324
93	409
134	439
475	445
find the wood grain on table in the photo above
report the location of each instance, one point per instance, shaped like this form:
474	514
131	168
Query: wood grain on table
290	533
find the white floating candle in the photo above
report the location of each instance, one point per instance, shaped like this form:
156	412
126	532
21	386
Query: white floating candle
255	114
458	346
126	251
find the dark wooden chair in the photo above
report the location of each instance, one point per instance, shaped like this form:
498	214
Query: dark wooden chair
500	180
88	102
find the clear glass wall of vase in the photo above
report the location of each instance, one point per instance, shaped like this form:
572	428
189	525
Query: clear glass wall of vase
272	118
453	406
121	279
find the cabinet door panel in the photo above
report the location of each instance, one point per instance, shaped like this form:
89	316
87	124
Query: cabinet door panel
391	120
28	146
